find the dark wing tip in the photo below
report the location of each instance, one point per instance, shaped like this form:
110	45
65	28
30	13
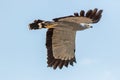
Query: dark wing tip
56	63
60	63
97	16
82	13
76	14
89	13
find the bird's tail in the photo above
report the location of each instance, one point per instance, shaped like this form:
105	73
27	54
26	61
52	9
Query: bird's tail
37	24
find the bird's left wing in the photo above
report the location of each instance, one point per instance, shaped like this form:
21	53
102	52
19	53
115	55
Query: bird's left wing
60	45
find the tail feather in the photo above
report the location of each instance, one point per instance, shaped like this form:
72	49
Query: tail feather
37	24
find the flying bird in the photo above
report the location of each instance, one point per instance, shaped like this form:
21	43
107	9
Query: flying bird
60	37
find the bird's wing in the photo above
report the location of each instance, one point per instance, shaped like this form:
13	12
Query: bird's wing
60	45
91	16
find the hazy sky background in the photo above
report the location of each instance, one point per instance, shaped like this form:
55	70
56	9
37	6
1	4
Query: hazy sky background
23	52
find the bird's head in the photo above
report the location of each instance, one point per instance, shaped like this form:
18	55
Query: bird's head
85	25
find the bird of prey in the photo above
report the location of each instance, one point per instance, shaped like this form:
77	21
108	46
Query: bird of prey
60	37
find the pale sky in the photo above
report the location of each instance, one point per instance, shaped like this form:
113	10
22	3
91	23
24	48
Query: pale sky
23	52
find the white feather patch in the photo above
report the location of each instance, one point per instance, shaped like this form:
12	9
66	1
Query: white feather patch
40	25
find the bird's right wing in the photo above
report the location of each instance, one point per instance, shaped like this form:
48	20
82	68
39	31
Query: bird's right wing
91	16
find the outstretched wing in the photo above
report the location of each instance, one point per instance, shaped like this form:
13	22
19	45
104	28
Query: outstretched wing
91	16
60	45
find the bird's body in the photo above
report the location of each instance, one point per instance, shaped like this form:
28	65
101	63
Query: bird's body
60	37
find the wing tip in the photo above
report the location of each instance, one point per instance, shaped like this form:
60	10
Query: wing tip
57	63
92	14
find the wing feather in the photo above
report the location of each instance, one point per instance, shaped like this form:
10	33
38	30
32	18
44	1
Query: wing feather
58	61
91	16
63	43
89	13
82	13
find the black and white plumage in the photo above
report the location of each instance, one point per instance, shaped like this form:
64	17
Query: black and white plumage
60	37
